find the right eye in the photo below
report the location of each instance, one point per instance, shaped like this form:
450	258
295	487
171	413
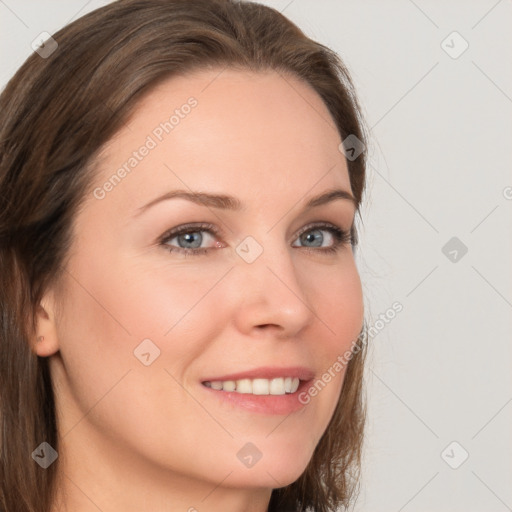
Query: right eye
190	234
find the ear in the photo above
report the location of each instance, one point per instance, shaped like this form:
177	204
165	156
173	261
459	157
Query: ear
46	341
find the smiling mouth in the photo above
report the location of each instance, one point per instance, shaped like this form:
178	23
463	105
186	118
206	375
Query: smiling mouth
276	386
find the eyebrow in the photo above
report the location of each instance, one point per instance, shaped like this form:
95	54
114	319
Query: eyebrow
226	202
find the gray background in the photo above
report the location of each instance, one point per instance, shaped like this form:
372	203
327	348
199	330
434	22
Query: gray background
440	162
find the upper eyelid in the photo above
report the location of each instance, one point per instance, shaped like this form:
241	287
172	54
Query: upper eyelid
190	228
319	223
194	227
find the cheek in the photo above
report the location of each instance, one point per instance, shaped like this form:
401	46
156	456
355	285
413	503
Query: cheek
338	299
96	342
102	379
335	294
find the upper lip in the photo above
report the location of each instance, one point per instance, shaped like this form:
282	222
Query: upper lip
267	372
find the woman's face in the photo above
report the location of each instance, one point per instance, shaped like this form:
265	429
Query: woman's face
144	324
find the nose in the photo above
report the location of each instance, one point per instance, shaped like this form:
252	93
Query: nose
269	296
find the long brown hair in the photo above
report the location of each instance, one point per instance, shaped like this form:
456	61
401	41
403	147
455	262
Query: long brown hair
56	113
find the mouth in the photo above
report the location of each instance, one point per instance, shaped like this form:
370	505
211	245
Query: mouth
262	391
276	387
262	381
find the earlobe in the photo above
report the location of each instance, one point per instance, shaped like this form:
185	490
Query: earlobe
46	341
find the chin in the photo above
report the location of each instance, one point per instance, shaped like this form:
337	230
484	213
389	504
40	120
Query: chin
273	473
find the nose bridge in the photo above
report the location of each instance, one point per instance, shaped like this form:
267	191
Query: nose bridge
267	259
272	290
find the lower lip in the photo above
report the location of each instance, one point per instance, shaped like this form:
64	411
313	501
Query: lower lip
263	404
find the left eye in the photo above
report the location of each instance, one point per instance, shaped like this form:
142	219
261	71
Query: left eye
190	238
315	236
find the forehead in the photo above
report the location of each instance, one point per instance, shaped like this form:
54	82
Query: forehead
226	131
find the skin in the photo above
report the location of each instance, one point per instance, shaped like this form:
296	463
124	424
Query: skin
147	438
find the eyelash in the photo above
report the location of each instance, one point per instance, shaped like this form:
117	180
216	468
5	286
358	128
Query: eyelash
341	237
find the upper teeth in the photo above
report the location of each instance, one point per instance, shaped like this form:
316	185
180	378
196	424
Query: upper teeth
278	386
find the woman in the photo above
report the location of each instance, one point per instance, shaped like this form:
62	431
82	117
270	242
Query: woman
182	316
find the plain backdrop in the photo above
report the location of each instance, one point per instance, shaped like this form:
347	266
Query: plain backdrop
435	82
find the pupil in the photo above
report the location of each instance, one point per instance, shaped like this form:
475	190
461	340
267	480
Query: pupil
188	239
312	237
